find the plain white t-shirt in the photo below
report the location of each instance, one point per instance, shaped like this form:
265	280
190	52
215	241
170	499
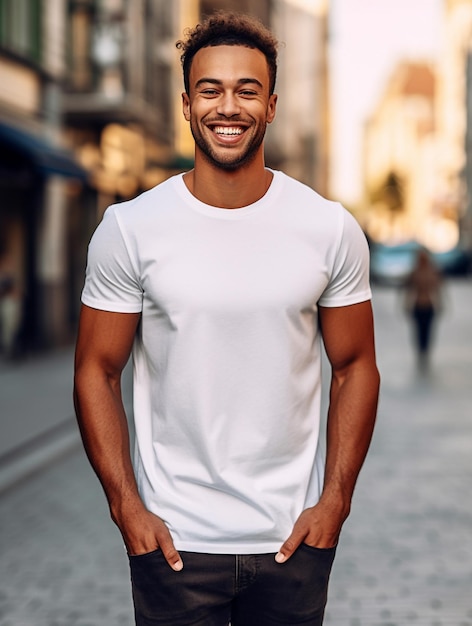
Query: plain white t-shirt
226	360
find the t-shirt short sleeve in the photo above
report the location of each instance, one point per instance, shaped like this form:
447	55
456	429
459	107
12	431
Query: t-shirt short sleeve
349	283
111	279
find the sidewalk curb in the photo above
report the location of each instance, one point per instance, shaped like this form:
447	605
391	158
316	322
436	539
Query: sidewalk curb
24	461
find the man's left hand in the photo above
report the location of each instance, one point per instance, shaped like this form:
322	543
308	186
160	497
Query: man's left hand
319	527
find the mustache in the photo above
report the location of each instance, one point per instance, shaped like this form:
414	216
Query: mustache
225	120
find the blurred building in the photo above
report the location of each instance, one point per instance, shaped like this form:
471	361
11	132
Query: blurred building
103	77
418	146
121	91
299	137
36	174
399	155
454	115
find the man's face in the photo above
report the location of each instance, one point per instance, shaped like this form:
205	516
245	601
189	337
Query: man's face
229	105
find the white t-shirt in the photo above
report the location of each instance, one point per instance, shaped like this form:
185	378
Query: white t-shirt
227	355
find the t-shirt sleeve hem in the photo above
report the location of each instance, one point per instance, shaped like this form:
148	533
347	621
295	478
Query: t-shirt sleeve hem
112	307
356	298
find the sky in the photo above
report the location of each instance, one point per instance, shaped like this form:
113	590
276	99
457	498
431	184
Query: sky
367	39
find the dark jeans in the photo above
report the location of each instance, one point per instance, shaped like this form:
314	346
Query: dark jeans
246	590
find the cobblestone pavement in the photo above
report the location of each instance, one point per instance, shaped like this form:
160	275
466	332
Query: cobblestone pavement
62	561
405	555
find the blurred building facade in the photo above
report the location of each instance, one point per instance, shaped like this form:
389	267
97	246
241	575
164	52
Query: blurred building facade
399	154
36	173
455	117
418	146
299	137
90	114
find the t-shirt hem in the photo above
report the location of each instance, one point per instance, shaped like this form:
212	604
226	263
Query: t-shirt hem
346	301
112	307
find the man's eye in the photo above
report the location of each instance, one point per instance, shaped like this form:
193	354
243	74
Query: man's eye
209	92
247	93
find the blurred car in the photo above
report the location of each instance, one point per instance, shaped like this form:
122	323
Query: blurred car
391	265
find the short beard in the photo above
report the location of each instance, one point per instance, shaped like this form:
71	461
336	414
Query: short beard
232	164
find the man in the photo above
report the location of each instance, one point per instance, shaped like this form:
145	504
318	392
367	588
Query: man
221	281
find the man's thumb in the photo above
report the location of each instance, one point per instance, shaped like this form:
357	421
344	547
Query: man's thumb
171	555
287	549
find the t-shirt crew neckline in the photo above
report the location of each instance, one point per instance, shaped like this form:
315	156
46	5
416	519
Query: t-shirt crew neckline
229	214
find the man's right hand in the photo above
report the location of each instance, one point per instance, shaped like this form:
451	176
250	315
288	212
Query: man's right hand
144	532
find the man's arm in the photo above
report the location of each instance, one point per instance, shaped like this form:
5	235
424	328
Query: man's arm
348	334
103	348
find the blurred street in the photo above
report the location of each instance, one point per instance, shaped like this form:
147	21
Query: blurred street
405	555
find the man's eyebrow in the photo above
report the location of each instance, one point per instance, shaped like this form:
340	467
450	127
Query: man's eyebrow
217	81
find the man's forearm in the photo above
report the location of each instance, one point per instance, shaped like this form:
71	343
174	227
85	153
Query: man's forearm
348	336
104	344
104	429
351	419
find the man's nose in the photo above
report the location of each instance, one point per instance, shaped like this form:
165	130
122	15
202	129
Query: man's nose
228	105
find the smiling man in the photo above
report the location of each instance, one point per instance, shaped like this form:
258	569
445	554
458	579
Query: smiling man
227	110
223	281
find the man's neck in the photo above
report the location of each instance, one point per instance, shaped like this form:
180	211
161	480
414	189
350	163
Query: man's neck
226	189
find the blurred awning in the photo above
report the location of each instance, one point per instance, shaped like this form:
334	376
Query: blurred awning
44	155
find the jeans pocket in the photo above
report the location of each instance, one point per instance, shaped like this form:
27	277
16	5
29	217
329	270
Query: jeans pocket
145	555
146	569
321	558
315	549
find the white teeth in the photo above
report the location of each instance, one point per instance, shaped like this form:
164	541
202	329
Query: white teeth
224	130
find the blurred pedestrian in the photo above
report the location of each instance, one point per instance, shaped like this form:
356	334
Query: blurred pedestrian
423	303
222	280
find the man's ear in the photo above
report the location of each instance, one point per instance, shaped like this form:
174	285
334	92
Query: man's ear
271	108
186	106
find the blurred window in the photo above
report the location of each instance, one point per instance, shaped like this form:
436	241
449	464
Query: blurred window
82	16
20	27
160	56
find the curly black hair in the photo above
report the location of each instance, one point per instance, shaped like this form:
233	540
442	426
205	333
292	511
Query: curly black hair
228	28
